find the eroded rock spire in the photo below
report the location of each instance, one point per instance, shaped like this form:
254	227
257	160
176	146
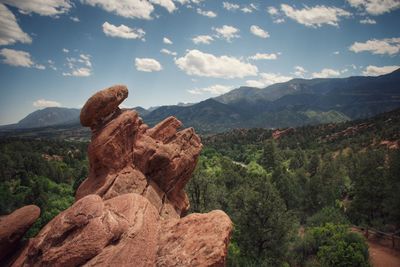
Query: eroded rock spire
131	209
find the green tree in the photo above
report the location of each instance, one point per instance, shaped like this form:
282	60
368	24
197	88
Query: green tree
334	245
268	159
327	215
264	226
314	164
369	189
392	197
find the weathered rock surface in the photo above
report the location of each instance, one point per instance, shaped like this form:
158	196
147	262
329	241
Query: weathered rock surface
14	226
127	231
195	240
102	104
126	156
130	210
92	229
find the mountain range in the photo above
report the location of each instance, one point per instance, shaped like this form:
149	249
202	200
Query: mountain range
289	104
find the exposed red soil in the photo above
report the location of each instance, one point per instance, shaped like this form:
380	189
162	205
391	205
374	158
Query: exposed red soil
381	256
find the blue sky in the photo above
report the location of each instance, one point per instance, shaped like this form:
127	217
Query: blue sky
59	52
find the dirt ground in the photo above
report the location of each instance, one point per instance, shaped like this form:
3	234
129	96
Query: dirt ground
382	256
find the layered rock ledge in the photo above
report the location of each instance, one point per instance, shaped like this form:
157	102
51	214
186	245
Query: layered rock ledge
131	210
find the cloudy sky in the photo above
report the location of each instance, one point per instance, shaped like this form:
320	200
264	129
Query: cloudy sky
59	52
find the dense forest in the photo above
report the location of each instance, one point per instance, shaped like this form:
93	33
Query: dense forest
292	195
41	172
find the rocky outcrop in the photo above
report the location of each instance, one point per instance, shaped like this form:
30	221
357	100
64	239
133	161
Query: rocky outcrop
390	144
127	231
14	226
277	134
126	156
131	209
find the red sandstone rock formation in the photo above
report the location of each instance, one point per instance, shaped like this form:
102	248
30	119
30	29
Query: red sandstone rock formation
128	211
279	133
126	156
14	226
390	144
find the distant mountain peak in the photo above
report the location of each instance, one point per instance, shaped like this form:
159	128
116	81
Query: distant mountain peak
49	116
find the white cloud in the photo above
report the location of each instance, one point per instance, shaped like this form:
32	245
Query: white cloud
168	52
230	6
253	6
41	7
315	16
388	46
218	89
167	41
198	63
299	71
147	64
268	79
214	89
376	71
279	21
233	7
85	59
75	19
368	21
205	13
375	7
264	56
18	58
275	14
122	31
188	2
227	32
80	66
10	32
195	91
325	73
336	53
65	50
167	4
272	11
257	31
79	72
52	64
40	67
125	8
43	103
246	9
203	39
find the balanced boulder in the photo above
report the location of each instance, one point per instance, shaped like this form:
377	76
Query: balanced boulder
102	104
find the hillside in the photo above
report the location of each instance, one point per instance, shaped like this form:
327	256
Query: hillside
49	117
382	130
292	104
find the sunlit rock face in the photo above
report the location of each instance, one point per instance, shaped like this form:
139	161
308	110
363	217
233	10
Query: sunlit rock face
131	209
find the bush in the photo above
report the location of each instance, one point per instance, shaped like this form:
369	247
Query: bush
334	245
327	215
